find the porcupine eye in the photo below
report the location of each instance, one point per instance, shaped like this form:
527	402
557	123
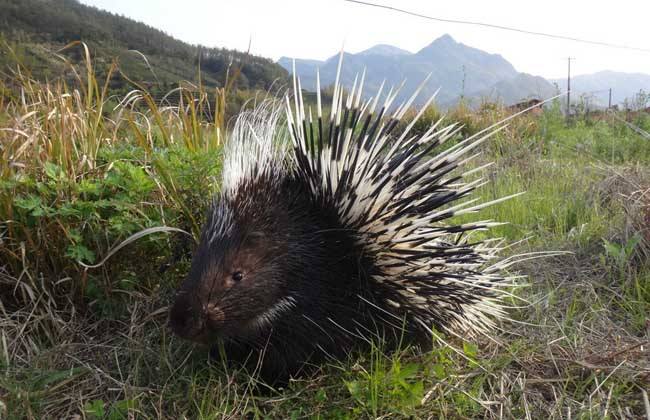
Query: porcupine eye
237	276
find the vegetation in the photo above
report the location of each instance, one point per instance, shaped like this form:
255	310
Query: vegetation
143	54
78	177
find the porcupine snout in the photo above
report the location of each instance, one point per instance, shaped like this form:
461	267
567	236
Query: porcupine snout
185	319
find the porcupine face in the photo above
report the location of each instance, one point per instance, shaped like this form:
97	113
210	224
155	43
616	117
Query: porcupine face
236	281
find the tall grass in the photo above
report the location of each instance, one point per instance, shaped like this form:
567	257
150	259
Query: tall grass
79	172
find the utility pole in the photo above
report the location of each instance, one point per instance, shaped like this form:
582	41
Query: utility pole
609	106
568	90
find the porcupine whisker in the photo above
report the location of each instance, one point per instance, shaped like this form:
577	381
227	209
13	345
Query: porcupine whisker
372	333
319	327
283	305
379	308
346	330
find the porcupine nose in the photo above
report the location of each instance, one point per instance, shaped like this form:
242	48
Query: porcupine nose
182	317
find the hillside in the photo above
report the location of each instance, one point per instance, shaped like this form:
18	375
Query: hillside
455	68
514	89
624	85
37	28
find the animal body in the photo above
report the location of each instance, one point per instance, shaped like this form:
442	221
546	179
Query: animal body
332	231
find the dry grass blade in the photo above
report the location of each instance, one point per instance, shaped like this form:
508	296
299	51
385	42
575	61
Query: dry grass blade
133	238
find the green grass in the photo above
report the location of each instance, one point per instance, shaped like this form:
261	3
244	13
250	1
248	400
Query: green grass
77	178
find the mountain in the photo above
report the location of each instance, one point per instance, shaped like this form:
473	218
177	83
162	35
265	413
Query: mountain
36	28
455	68
515	89
385	50
623	85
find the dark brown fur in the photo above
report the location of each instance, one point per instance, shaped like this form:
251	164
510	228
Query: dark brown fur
286	244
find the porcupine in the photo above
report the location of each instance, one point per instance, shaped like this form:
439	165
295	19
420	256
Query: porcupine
342	236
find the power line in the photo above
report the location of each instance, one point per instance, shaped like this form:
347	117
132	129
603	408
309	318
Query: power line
635	128
568	89
501	27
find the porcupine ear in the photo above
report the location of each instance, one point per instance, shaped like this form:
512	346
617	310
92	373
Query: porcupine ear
255	239
390	188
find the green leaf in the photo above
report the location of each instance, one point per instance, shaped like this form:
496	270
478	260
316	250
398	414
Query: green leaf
321	395
8	184
354	388
439	371
95	409
120	409
28	203
48	378
68	210
34	205
295	414
409	371
53	171
470	350
89	187
631	244
612	249
75	235
41	211
415	394
79	252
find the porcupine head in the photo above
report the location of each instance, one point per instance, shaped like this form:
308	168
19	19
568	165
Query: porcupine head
331	232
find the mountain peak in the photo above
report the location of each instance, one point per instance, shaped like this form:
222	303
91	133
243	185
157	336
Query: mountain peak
456	68
384	49
443	43
445	39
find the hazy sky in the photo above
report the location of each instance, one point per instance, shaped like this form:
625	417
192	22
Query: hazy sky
318	29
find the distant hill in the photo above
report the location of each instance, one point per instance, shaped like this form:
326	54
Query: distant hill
35	28
624	85
455	68
385	50
515	89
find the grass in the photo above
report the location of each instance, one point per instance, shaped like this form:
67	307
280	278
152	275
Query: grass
79	176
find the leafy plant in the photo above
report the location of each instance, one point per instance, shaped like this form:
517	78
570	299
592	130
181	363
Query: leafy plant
388	385
621	254
97	409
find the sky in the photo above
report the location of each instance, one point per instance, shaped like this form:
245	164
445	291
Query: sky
317	29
